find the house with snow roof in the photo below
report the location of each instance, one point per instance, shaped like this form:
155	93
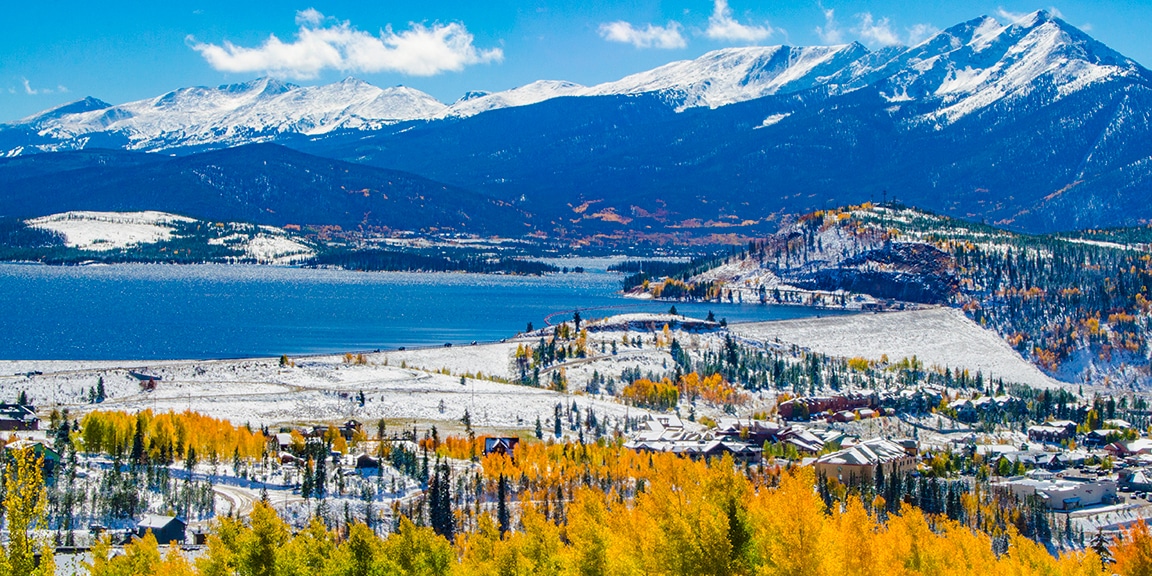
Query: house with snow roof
858	462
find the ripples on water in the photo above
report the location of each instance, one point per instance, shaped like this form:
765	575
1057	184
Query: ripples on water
150	311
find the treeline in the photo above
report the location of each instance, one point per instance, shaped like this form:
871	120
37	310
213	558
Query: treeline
1060	300
642	271
391	260
169	436
1063	301
1057	299
653	514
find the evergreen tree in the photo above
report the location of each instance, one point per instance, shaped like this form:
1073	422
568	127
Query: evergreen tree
1099	544
138	441
307	484
502	516
440	502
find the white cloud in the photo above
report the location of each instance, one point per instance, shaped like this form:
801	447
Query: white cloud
667	37
722	26
325	44
921	32
310	17
29	90
876	31
830	32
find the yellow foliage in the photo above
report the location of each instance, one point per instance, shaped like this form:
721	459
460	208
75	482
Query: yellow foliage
170	433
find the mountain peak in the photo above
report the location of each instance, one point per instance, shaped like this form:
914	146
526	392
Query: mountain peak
472	95
86	104
968	67
1038	17
264	85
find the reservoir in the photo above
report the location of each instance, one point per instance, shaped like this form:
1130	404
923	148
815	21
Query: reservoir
155	312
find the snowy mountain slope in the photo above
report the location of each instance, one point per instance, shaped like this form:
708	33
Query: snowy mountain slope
233	114
737	74
104	233
980	63
528	94
972	66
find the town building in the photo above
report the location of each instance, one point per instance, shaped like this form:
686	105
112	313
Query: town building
1068	493
166	529
858	462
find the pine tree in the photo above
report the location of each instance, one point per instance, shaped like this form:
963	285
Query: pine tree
539	429
138	441
1099	544
440	502
502	516
307	484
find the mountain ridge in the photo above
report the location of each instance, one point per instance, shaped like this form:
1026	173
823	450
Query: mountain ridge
1030	124
257	183
965	67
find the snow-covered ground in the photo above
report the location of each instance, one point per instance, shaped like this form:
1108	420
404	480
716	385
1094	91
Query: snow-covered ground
110	230
316	390
269	246
936	336
104	231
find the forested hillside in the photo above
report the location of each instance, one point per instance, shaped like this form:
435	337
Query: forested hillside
1078	306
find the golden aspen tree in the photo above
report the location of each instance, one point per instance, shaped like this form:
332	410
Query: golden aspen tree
25	504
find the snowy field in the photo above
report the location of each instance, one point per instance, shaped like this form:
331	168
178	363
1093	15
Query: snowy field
320	389
424	385
105	231
110	230
938	336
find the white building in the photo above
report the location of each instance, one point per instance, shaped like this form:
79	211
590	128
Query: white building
1064	493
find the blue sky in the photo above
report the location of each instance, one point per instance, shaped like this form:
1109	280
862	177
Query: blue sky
62	50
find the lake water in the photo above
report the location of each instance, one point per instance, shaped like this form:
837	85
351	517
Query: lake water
216	311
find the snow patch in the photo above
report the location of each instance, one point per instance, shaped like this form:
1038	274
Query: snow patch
101	231
773	119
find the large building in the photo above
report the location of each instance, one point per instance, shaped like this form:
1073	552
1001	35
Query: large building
857	463
1064	493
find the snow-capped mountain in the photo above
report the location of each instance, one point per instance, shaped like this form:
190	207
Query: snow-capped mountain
734	75
1031	124
232	114
982	62
948	76
478	102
